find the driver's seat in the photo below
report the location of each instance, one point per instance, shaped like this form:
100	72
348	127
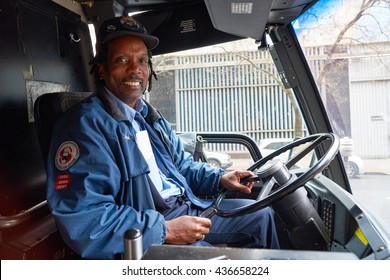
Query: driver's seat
47	108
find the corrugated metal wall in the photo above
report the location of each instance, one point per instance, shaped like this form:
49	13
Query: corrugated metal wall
369	89
370	118
370	106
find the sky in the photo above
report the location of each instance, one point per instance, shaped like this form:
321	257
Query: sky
322	23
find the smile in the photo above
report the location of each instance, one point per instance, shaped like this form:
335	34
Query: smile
133	83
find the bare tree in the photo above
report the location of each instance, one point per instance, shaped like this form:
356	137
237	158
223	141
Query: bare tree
365	7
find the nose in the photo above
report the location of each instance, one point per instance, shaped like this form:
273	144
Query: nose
133	67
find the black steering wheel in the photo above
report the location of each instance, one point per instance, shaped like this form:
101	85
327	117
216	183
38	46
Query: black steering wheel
277	179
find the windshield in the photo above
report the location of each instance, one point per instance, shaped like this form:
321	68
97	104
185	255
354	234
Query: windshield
346	44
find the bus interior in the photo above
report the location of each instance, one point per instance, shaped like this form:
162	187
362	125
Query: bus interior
46	48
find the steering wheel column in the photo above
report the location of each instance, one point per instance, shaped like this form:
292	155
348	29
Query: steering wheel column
305	227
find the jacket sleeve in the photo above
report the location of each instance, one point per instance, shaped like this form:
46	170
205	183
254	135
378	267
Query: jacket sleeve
98	196
202	178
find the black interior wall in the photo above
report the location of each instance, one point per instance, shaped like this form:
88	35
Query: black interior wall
37	54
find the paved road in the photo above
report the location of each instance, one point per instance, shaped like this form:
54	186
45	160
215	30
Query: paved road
373	190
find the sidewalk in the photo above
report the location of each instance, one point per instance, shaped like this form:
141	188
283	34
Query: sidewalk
377	165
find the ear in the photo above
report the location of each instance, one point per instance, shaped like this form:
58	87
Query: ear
102	72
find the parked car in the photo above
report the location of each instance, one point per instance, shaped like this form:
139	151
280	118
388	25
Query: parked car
218	159
354	165
270	145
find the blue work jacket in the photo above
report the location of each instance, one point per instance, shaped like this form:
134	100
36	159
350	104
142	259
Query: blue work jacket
98	184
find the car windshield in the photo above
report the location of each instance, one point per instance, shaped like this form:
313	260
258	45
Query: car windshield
236	87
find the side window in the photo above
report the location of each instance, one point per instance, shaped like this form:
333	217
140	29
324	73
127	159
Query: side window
220	155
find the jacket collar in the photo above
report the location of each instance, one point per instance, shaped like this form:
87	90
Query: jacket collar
109	105
117	114
152	115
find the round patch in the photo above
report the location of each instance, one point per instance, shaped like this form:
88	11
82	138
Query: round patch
66	155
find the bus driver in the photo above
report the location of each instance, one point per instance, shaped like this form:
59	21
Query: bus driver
125	168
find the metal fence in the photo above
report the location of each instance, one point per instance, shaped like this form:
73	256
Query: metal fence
231	92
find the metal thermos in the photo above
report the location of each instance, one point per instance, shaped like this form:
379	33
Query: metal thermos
132	244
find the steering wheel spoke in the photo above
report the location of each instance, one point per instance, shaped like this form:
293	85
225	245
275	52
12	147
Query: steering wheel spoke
306	150
266	189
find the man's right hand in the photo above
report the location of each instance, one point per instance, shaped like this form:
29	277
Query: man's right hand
186	230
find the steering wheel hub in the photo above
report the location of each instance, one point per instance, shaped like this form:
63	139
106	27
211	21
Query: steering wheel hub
276	169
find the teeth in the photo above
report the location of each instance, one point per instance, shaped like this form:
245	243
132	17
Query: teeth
133	83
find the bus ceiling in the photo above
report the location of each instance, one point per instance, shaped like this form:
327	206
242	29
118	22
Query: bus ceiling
205	22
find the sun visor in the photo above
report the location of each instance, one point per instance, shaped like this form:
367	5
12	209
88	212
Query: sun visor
240	18
183	27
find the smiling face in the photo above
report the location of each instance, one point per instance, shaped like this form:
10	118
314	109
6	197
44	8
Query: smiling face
126	71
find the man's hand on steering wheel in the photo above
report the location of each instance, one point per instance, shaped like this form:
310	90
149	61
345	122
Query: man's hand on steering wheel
233	181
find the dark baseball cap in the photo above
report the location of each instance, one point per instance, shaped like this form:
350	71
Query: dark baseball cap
121	26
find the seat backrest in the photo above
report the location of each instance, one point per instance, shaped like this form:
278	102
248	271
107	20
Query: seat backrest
47	108
194	145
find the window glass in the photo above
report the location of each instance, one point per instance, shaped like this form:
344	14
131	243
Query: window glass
346	44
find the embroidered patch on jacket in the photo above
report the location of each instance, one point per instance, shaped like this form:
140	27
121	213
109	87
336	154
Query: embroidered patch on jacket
62	182
67	154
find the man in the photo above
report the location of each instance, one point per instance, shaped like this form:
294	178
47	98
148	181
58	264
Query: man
115	164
